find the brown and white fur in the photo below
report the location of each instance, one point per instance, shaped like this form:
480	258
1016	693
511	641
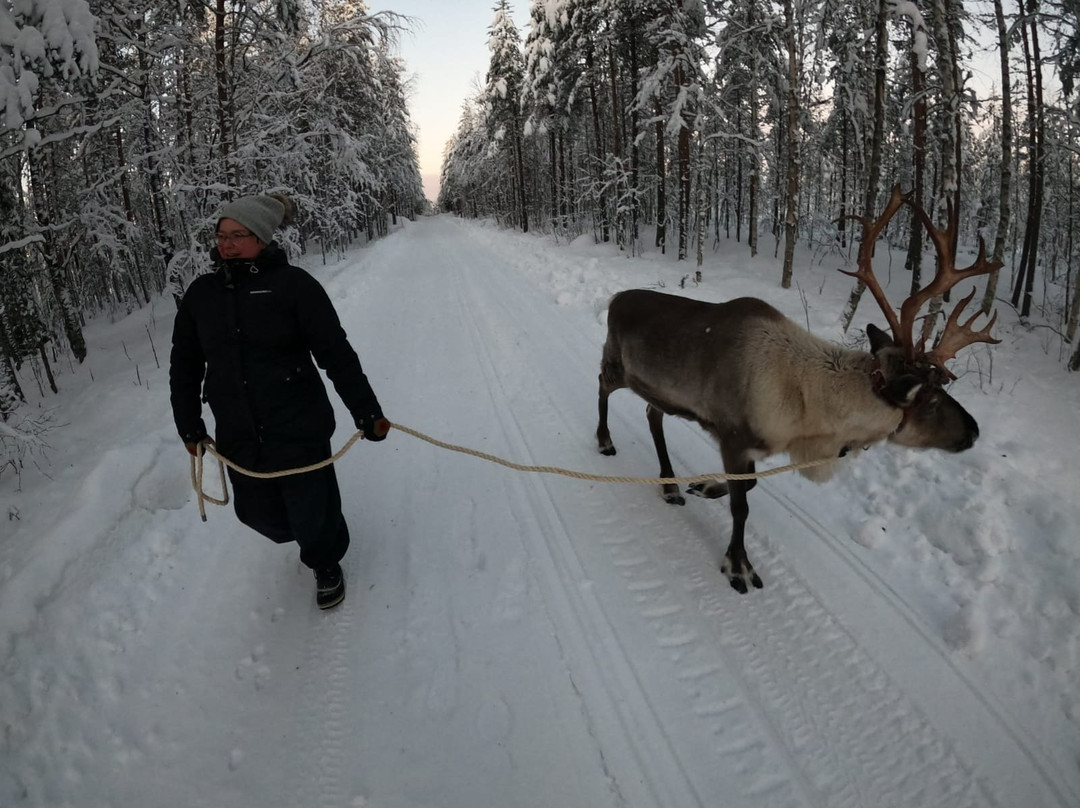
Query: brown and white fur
761	385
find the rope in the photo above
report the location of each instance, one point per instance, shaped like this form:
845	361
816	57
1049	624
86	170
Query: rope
197	468
197	482
603	478
207	447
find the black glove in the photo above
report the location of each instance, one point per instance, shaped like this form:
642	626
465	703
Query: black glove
374	426
194	446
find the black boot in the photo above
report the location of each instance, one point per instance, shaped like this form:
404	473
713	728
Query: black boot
329	586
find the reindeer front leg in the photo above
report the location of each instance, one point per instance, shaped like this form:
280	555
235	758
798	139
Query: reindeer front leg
736	565
670	491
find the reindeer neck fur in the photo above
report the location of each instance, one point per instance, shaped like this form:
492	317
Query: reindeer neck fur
812	398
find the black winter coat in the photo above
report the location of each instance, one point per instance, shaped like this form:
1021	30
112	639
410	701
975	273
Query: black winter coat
243	341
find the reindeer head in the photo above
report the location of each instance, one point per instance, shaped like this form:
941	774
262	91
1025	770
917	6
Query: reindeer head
907	375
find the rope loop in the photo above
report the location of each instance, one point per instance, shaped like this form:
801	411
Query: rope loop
197	482
207	447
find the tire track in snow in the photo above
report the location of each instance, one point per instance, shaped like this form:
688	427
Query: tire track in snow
323	714
587	629
1055	783
1051	783
832	706
720	703
765	775
717	701
788	599
581	636
820	739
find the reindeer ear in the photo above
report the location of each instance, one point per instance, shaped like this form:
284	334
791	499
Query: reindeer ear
879	340
901	391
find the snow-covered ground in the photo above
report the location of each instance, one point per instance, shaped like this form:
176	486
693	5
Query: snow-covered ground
515	639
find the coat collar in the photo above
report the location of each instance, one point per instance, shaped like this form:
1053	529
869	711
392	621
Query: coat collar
236	270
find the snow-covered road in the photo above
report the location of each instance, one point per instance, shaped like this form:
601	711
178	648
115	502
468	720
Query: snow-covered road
508	639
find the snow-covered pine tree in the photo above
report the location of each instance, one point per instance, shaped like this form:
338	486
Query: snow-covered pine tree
549	102
46	69
502	97
746	54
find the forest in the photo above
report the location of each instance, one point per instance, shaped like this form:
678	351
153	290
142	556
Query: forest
773	124
780	124
126	123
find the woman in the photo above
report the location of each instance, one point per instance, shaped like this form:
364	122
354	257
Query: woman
244	339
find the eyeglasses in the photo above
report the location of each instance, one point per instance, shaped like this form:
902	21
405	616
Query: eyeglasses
226	238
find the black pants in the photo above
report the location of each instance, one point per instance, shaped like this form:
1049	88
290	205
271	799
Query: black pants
305	508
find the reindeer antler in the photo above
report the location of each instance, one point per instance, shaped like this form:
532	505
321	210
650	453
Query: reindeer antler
946	277
956	335
865	273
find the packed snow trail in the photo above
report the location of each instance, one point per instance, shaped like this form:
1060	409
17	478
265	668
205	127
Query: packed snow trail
508	639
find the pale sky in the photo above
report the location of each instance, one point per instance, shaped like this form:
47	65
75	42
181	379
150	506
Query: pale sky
447	58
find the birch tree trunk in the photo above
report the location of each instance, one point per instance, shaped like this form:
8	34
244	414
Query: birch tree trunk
661	184
222	82
621	224
1074	307
790	219
1005	191
700	219
918	149
153	170
844	156
135	272
601	208
873	178
519	166
635	152
950	128
683	151
1074	316
11	391
553	178
58	282
754	150
564	206
1029	258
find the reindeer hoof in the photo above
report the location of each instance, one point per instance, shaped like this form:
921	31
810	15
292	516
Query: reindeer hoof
740	578
607	451
710	490
674	499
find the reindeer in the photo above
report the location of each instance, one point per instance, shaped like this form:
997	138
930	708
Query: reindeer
759	384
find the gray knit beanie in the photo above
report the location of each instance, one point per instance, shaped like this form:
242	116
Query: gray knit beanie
262	215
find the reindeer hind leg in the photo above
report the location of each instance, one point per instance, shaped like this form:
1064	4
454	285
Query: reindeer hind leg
610	380
713	489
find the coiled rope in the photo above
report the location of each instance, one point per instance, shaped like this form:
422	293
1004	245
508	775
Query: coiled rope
208	447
